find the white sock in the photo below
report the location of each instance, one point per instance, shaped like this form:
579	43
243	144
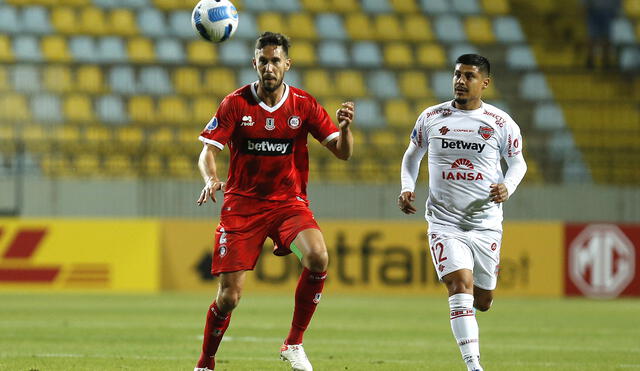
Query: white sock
465	329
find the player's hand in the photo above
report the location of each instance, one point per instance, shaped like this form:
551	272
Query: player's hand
498	193
345	114
209	191
405	202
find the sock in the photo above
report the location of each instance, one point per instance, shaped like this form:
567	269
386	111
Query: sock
214	329
308	295
465	329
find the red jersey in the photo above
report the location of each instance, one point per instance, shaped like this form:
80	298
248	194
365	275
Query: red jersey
269	157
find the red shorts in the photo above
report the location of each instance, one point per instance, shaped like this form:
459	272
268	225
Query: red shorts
245	223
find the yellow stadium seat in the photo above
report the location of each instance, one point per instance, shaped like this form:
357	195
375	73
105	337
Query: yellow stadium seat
301	26
271	21
387	27
14	107
431	55
187	80
383	140
202	52
119	165
67	137
36	139
6	55
344	6
57	79
337	170
152	165
220	81
54	49
632	8
331	104
398	54
414	84
188	140
181	166
122	22
87	164
4	81
496	7
203	110
97	136
129	138
422	104
78	108
358	26
64	20
417	28
140	50
161	140
172	4
69	2
398	113
142	109
479	30
316	6
174	110
404	6
303	54
93	21
318	83
89	79
350	84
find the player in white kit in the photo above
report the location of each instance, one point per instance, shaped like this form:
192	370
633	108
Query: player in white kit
465	139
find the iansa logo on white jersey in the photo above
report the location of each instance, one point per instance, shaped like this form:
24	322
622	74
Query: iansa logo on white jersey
462	169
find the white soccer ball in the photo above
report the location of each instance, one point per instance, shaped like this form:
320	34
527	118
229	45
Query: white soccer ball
215	20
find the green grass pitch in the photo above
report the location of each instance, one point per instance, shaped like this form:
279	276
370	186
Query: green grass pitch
162	332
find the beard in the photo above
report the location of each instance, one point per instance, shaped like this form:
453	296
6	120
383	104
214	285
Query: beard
273	88
461	101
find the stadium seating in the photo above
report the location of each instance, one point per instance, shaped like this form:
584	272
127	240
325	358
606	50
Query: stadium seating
132	76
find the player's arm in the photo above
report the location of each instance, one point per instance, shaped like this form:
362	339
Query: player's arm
342	146
207	166
517	168
408	177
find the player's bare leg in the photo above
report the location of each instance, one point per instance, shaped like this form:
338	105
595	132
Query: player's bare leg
219	316
463	318
482	299
314	260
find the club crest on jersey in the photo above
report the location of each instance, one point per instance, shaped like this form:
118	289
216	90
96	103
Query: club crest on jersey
212	125
270	123
222	251
294	122
486	132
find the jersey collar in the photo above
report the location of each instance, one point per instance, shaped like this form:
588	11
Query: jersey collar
262	104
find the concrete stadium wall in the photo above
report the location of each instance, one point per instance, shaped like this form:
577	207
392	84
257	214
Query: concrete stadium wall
36	197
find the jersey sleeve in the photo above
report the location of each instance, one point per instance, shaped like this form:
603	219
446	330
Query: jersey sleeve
419	133
219	129
511	142
320	124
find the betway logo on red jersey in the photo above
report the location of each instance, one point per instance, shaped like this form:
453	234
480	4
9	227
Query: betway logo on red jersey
268	146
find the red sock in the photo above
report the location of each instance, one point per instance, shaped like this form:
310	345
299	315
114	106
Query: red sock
214	329
308	295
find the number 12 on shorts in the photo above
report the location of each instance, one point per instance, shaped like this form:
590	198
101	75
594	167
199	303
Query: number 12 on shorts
437	250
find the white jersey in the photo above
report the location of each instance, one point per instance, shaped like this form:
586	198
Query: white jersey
464	151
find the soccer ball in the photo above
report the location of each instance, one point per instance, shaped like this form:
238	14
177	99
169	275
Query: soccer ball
215	20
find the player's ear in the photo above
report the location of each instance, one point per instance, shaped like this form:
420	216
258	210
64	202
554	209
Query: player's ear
287	64
255	64
486	82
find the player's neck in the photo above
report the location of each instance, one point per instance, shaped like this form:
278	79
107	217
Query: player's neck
270	98
469	106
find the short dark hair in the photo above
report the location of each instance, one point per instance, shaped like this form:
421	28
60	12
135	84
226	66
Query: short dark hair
476	60
273	38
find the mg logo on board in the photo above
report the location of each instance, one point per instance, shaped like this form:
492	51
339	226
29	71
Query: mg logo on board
601	261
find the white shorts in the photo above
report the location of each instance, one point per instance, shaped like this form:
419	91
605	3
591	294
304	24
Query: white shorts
479	251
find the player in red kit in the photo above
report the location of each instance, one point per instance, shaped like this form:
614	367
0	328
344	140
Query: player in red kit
265	125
